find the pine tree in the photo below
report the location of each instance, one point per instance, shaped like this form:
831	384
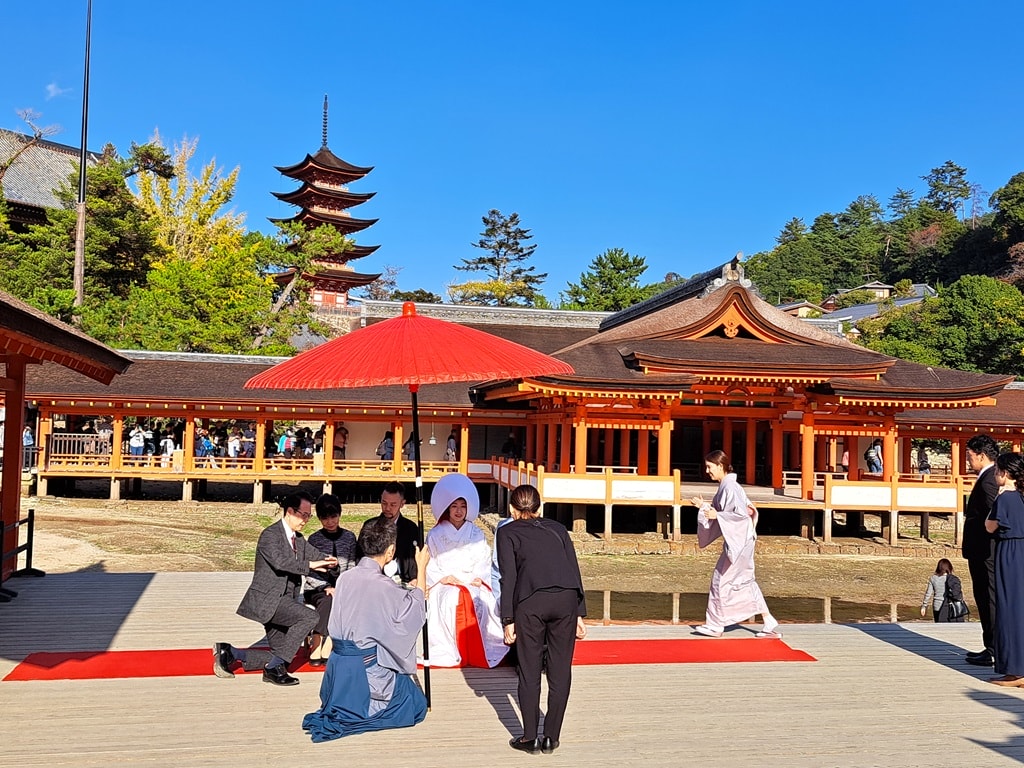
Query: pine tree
510	283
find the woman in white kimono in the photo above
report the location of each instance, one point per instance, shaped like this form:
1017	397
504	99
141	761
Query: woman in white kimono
463	621
734	595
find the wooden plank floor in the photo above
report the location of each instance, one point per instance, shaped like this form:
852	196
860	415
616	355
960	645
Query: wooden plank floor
879	695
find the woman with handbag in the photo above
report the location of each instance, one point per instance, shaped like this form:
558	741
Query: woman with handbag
1006	521
936	591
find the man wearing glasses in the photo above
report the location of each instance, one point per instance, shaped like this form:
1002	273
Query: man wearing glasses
283	558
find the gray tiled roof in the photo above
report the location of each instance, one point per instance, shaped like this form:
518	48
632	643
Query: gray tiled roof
38	171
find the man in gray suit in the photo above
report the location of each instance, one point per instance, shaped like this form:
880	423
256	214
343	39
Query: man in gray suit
283	558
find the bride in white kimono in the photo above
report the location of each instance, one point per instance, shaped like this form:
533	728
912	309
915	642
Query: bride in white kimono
463	619
734	595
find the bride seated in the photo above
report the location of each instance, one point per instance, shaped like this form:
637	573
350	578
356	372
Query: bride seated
463	621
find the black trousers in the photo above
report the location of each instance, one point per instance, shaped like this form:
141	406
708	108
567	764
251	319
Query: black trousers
545	619
319	599
287	628
983	584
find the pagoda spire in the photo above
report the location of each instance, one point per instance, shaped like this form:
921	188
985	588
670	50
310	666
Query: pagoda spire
324	145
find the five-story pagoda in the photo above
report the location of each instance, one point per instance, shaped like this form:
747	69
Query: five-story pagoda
324	198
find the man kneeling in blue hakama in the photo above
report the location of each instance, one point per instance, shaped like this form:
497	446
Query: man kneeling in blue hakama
370	682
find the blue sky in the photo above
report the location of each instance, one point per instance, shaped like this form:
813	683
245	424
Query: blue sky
681	132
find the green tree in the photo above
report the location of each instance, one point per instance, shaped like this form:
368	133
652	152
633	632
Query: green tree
611	283
120	243
420	296
855	298
1008	203
510	282
947	187
802	289
976	324
220	302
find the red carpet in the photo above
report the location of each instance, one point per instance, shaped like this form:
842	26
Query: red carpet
101	665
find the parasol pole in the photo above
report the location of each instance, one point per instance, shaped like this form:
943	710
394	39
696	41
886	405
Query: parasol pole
413	388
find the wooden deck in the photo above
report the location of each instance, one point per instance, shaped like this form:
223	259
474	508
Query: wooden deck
879	695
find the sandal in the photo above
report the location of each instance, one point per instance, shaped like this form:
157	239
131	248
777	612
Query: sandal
773	633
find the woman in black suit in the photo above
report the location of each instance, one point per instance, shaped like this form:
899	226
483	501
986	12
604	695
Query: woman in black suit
542	605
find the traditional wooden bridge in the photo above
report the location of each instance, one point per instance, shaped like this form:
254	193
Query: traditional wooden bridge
877	695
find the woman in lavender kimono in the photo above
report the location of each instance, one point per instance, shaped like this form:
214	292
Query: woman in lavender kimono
734	595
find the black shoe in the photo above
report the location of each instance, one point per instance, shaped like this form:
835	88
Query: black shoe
223	658
547	746
978	654
984	659
278	676
533	746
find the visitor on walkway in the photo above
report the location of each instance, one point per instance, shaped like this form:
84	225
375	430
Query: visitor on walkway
734	595
940	584
979	544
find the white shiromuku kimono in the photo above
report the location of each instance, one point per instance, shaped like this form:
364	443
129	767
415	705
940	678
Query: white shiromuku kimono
464	554
734	594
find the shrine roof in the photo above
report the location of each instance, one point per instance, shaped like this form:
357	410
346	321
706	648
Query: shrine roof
1008	412
719	328
179	377
29	332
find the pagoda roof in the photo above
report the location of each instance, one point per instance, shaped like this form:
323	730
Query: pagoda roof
719	331
342	222
311	195
339	280
325	160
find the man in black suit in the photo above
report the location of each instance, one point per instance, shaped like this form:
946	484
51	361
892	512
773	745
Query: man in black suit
979	544
283	558
408	538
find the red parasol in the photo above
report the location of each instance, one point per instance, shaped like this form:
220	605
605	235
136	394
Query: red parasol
412	350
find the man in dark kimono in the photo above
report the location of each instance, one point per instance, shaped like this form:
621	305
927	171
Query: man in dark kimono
283	558
370	682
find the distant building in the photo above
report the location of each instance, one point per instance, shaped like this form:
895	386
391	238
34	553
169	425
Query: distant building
31	171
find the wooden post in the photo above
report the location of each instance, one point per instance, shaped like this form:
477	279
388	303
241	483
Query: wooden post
643	451
777	458
463	447
565	452
10	484
609	447
665	445
117	442
955	460
551	453
259	460
889	450
807	457
607	522
329	447
624	435
750	458
580	459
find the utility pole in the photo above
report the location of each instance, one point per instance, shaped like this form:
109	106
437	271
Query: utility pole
79	269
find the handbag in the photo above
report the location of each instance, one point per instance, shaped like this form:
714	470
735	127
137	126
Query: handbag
958	609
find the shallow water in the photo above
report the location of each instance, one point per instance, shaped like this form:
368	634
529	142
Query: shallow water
688	608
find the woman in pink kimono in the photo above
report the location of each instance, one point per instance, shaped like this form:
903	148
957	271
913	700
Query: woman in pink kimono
734	595
463	621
